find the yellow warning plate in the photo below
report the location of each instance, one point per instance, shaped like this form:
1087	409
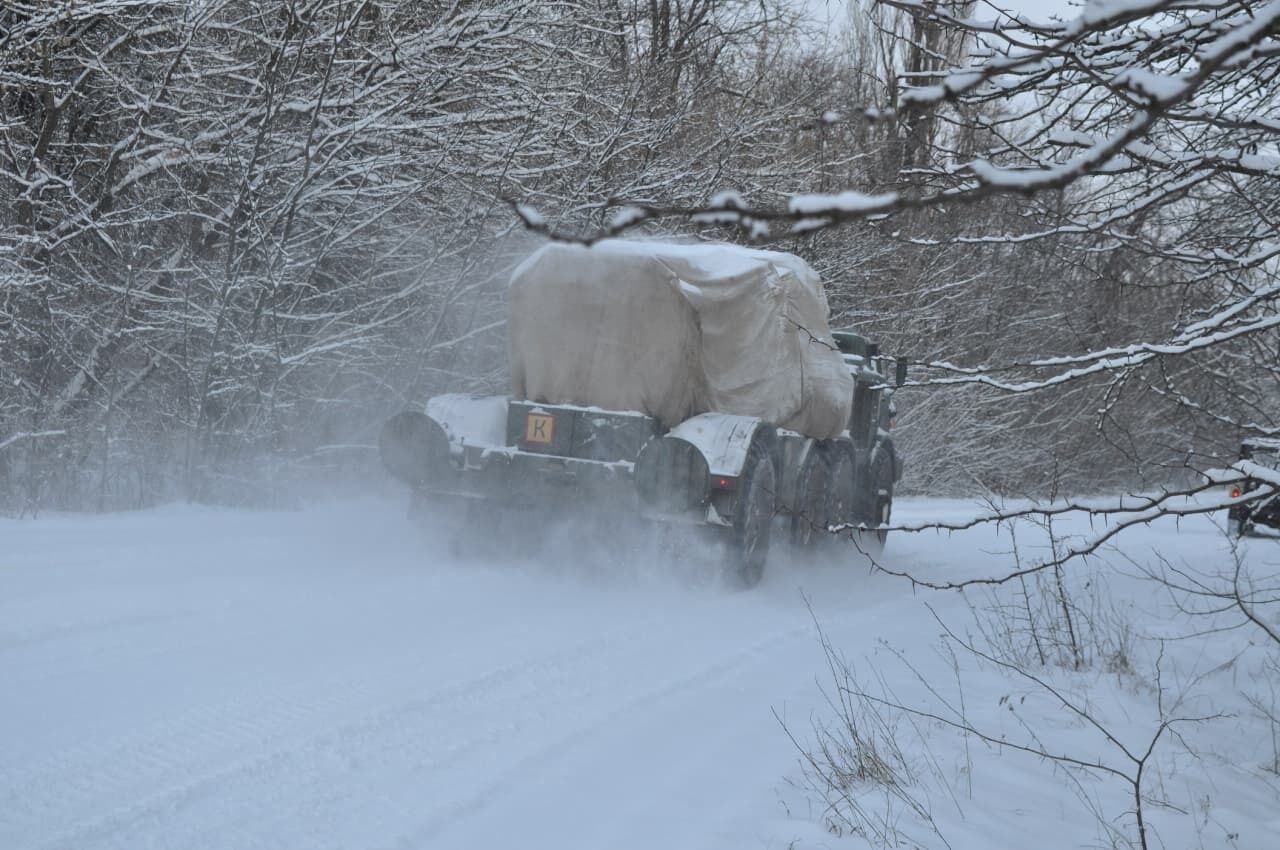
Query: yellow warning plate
539	428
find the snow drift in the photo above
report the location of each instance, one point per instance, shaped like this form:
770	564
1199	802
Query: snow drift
677	330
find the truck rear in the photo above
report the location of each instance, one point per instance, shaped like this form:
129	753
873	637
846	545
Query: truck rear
695	384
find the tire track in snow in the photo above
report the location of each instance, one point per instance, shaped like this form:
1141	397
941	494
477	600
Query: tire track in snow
238	732
356	739
481	798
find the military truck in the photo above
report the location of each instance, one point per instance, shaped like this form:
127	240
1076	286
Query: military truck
681	383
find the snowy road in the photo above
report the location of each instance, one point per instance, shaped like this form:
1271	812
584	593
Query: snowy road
193	678
190	678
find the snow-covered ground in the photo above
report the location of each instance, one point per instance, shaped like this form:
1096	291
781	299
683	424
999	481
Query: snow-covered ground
330	678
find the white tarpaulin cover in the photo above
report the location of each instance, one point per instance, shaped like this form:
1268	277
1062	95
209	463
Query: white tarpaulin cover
676	330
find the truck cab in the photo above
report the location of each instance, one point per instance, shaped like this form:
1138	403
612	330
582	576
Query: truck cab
877	465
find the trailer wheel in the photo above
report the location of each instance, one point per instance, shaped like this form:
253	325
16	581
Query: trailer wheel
809	512
748	547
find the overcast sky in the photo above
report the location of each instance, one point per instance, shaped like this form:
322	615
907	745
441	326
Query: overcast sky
835	10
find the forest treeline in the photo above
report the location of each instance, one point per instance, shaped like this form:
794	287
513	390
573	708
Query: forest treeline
238	234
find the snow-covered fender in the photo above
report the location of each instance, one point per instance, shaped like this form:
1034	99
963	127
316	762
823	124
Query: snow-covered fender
470	420
724	439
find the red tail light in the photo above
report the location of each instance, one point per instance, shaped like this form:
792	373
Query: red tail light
724	482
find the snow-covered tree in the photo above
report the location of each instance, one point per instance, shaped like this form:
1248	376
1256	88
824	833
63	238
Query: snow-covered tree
1119	165
235	233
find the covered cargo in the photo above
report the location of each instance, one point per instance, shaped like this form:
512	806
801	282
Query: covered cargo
673	331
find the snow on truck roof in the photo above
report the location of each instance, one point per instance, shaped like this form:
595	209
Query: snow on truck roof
700	260
676	329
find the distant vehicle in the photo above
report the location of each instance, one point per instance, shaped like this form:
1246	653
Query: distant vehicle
684	383
1244	518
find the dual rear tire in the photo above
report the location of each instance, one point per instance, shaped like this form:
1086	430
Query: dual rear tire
811	508
824	496
751	532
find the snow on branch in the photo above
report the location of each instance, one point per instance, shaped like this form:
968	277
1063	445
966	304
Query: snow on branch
28	435
1096	59
1115	515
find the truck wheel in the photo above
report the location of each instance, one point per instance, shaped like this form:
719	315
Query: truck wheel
840	501
809	515
752	522
872	541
